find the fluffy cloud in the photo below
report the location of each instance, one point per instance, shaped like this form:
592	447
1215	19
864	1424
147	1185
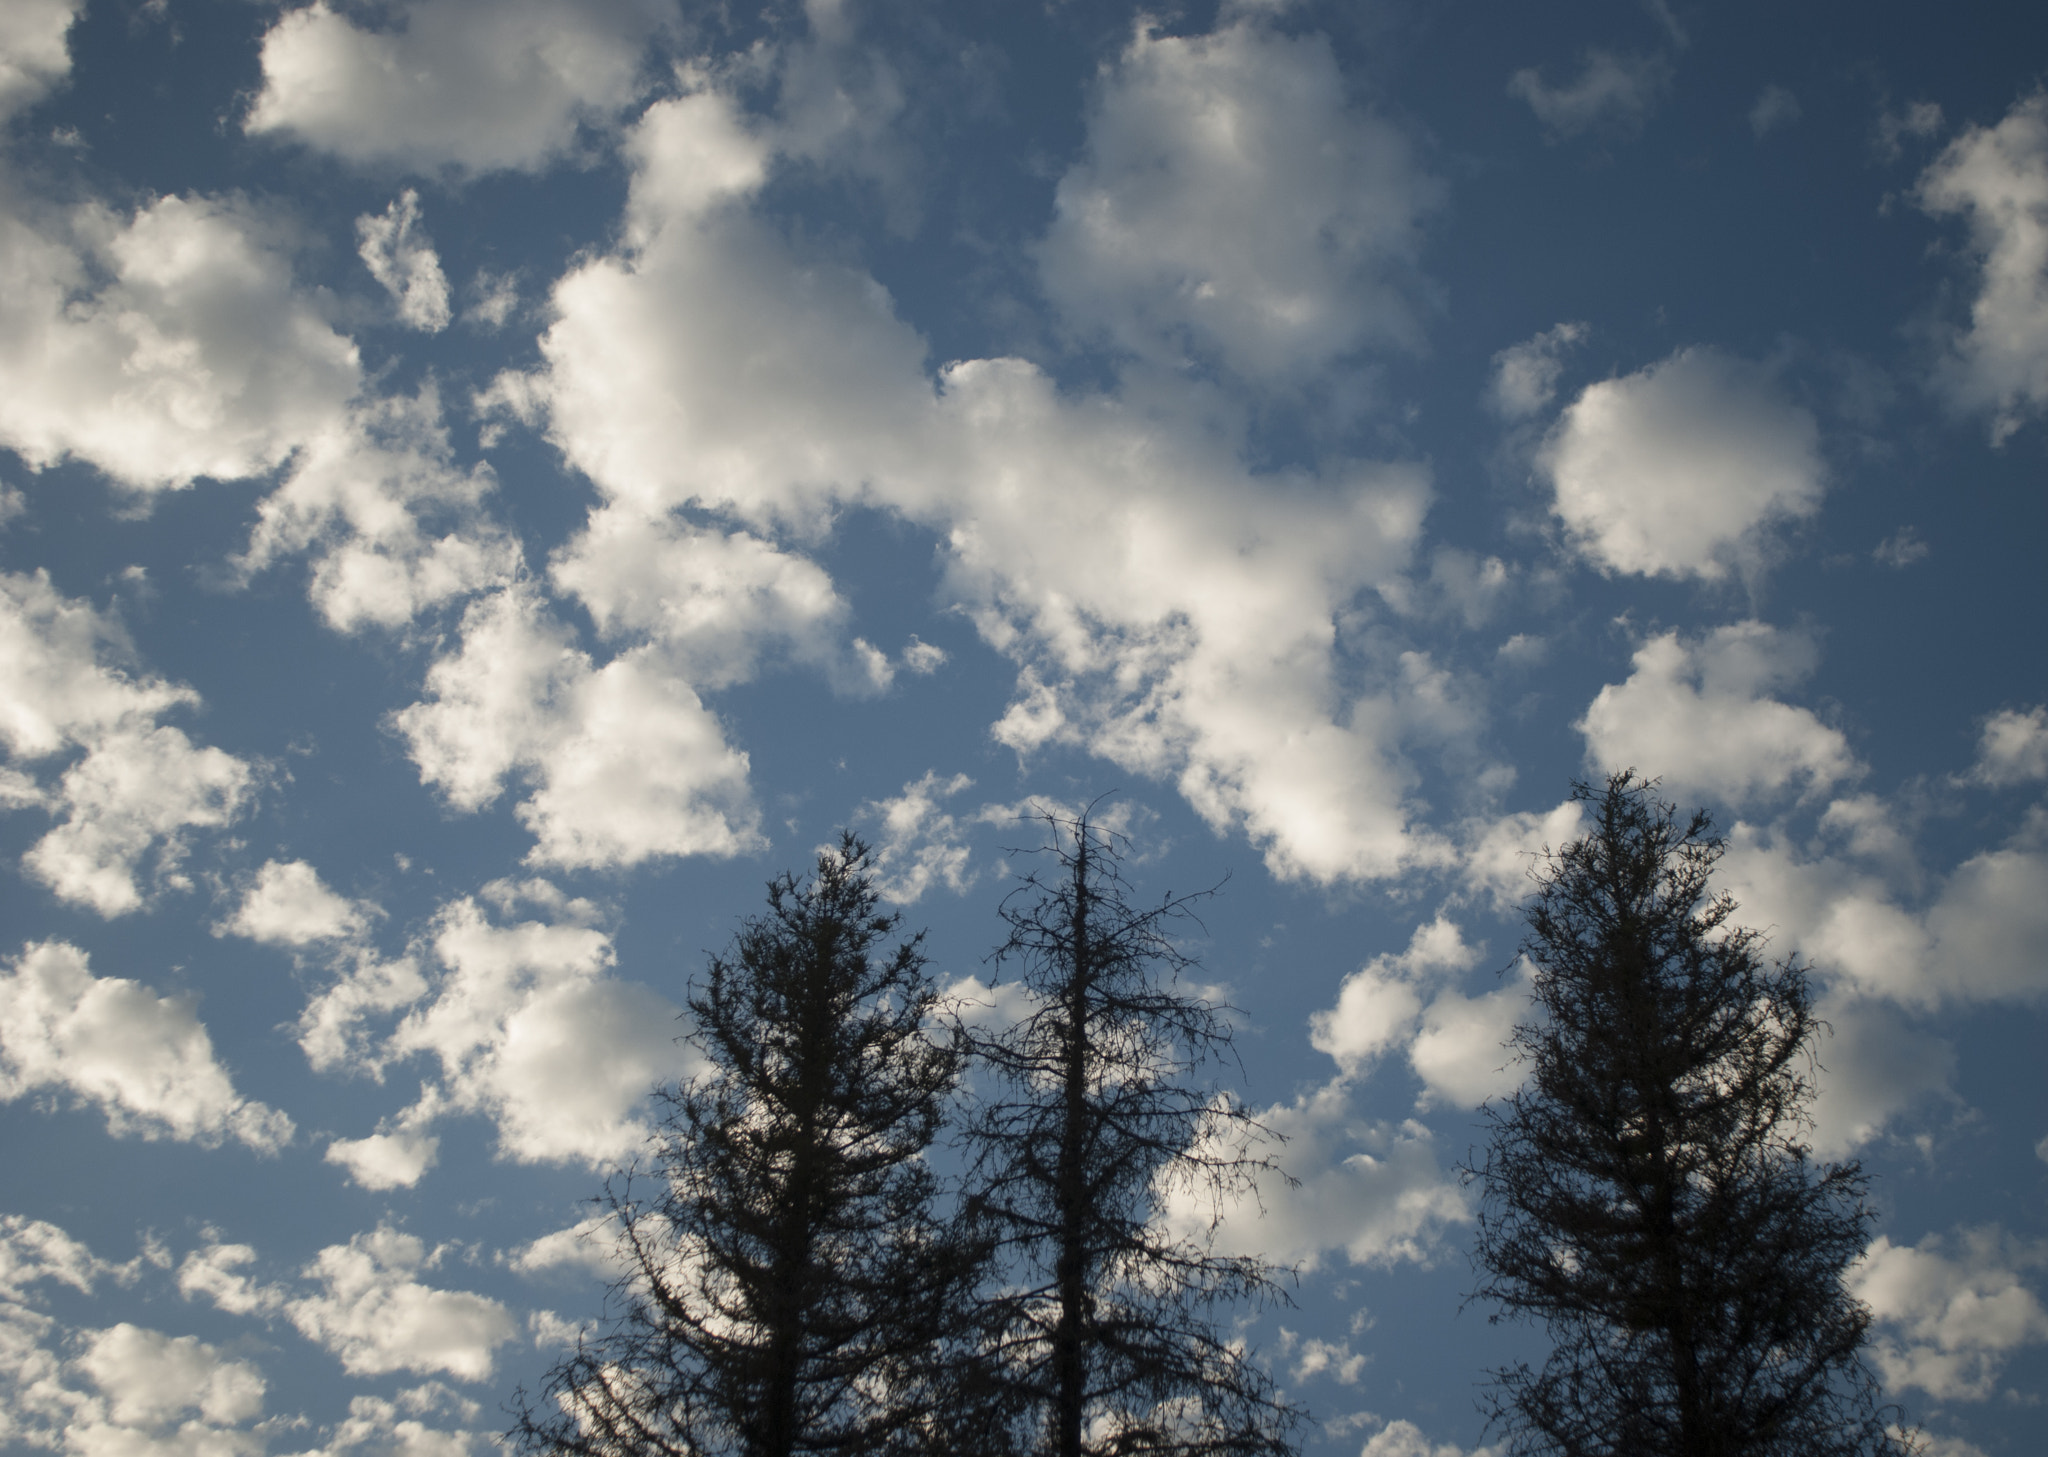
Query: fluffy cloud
1698	715
145	1060
35	1249
1405	1439
33	54
163	346
921	844
523	1023
377	1317
1678	470
289	905
479	85
1951	1310
626	761
1233	206
392	525
1372	1189
150	1379
1610	90
396	251
1165	609
2013	748
1997	177
1405	1001
1525	374
138	788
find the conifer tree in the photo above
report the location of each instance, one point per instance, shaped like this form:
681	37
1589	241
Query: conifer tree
1648	1197
789	1286
1103	1335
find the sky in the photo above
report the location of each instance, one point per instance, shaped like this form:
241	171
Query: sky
487	484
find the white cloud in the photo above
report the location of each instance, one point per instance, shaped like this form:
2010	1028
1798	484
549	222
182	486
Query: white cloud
394	1429
332	1029
2013	748
589	1247
377	1317
1377	1005
1997	177
1951	1310
921	844
1165	609
1234	205
35	1249
138	788
400	257
479	85
1698	715
1405	1439
145	1060
149	1379
162	346
627	763
1525	374
215	1272
34	55
1499	855
1372	1189
289	905
395	1160
1611	89
717	603
1876	1066
1680	469
1460	1051
1314	1357
392	525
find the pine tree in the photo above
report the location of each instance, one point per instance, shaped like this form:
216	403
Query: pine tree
1104	1339
1647	1195
788	1285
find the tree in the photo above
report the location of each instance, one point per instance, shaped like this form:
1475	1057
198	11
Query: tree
1102	1339
1647	1196
788	1285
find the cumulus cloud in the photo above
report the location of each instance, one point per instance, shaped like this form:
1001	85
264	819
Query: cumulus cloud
1698	714
1525	374
1235	206
289	905
163	346
1774	107
138	788
523	1024
2012	748
34	55
1617	91
391	525
216	1272
1951	1310
399	256
376	1316
478	85
34	1249
1997	178
150	1379
1498	855
625	760
921	844
1680	469
1369	1188
1164	608
1405	1439
145	1060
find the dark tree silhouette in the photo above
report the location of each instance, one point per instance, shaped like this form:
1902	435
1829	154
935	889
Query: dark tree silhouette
1103	1338
1647	1196
788	1288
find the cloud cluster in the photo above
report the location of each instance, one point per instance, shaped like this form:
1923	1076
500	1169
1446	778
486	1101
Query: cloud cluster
476	85
1235	207
1997	178
1680	469
134	788
1166	609
399	256
1951	1310
34	55
376	1316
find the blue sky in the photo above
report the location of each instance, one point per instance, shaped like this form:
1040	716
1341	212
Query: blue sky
484	484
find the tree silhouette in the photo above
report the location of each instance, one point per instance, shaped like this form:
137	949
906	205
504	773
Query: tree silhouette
788	1287
1647	1197
1103	1340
